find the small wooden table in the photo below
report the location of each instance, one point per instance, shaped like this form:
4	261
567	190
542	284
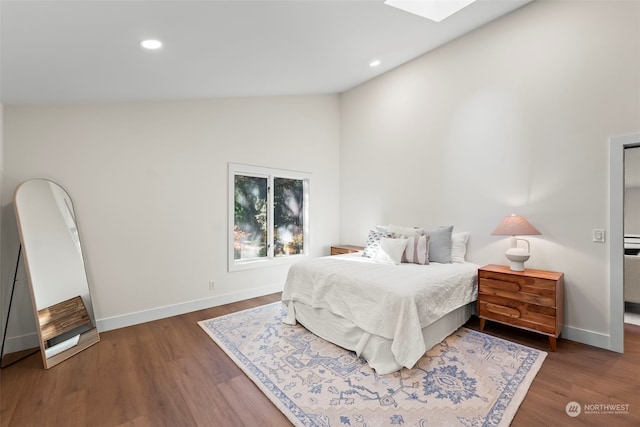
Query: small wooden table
530	299
345	249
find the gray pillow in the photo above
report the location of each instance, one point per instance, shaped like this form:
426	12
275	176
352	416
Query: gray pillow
440	244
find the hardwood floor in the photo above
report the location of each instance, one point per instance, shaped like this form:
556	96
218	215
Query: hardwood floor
169	373
577	373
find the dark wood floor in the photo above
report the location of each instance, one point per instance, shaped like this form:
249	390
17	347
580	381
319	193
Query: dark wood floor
169	373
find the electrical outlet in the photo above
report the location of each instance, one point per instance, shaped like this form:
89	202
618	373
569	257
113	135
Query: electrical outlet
598	235
212	285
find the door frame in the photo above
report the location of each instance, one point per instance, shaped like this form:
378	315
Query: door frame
617	145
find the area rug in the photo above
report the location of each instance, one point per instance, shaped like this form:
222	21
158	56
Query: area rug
470	379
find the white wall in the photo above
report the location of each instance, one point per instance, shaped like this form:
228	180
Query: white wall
513	117
632	210
149	184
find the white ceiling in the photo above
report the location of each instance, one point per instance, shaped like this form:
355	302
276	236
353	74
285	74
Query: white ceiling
87	51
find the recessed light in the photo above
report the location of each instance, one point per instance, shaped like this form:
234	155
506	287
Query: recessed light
374	63
151	44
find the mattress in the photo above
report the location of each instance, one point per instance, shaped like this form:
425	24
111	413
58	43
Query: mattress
381	311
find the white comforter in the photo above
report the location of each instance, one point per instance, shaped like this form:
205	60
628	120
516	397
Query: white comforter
392	301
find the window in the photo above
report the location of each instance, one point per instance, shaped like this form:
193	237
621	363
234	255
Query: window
268	216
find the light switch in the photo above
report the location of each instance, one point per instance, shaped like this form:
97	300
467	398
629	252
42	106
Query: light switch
598	235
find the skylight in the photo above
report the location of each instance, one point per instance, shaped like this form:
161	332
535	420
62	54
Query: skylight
435	10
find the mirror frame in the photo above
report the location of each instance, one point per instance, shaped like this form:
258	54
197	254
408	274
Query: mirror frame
66	315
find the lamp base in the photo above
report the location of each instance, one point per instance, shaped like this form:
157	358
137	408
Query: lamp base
517	257
516	266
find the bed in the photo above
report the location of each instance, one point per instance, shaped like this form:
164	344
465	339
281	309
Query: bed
389	314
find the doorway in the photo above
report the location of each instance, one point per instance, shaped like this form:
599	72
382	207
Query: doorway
632	235
617	147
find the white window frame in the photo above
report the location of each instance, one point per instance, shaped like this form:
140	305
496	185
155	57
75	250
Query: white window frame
269	173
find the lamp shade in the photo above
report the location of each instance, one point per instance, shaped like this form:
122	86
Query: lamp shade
515	225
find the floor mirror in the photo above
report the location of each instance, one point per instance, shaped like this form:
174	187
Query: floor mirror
55	267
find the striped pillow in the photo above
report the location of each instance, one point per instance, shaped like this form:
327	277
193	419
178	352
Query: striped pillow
417	250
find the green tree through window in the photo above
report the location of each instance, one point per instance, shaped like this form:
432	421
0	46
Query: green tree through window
250	217
269	217
288	227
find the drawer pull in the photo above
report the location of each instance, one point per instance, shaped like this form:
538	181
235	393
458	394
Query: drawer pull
501	284
500	309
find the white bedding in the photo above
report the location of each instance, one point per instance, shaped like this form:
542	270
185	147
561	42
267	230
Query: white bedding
390	301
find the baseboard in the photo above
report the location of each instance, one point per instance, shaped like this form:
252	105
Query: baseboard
13	344
584	336
130	319
21	342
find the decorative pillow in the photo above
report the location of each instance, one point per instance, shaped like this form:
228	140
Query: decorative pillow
373	243
440	244
399	231
417	250
391	250
459	246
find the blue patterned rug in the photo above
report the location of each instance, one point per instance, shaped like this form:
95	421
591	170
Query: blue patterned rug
470	379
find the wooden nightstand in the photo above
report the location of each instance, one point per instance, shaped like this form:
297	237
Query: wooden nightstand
345	249
531	299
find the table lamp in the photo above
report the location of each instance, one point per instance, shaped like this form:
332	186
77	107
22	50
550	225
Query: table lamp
513	225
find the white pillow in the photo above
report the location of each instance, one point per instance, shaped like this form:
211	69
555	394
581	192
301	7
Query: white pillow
400	231
459	246
391	250
417	250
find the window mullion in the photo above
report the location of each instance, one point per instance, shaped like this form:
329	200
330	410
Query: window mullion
270	218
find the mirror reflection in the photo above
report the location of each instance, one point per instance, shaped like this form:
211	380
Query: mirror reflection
55	268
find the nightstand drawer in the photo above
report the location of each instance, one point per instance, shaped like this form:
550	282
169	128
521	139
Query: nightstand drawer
528	289
518	313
